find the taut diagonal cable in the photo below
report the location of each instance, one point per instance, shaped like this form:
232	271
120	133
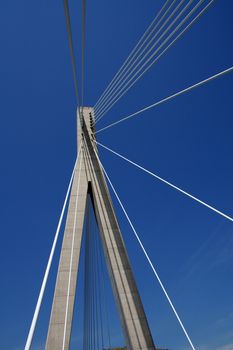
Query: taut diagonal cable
48	267
83	45
132	68
147	256
167	183
133	53
226	71
129	63
71	46
152	58
145	68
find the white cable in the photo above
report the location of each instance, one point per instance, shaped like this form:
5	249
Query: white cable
71	47
147	256
124	70
168	183
72	251
129	72
43	286
229	70
137	47
83	46
156	58
143	66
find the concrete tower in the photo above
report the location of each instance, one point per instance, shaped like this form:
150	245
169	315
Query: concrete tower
89	178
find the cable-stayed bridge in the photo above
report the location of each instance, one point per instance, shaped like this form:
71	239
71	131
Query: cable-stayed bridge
88	198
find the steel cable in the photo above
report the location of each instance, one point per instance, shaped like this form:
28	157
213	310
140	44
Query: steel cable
147	256
48	267
83	46
156	58
167	183
134	57
71	47
128	72
131	55
202	82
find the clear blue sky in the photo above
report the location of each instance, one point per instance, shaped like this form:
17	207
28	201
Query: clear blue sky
188	141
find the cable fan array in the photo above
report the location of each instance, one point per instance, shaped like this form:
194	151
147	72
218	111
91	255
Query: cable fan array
172	21
96	333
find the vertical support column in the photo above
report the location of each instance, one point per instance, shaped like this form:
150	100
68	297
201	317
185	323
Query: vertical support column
133	318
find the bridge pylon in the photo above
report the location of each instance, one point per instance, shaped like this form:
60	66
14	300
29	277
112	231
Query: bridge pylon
89	179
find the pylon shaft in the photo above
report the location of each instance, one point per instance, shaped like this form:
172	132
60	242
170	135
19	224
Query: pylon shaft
132	315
